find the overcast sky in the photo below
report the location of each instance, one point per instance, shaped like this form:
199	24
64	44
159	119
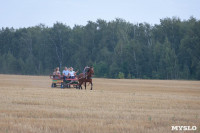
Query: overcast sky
25	13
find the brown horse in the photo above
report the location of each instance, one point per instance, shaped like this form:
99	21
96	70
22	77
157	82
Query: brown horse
87	78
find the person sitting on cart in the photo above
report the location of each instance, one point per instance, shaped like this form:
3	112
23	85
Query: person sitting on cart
72	73
57	73
85	70
65	73
54	72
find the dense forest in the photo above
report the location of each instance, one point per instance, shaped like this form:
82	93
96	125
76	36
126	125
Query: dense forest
116	49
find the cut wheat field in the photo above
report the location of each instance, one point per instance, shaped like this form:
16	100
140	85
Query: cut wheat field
29	105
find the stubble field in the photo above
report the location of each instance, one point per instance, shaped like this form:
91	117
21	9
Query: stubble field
29	105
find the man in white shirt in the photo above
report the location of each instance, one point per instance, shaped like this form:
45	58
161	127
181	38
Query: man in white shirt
65	73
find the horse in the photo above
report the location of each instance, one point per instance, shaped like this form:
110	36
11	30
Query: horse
88	78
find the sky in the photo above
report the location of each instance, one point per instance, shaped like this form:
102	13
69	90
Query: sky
27	13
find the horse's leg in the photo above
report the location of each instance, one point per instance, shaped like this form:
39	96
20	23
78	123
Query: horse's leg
91	85
85	85
80	85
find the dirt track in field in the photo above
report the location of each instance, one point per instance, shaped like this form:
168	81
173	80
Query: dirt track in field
29	104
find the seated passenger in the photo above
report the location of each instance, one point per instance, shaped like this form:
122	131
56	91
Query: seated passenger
54	72
57	73
65	73
72	73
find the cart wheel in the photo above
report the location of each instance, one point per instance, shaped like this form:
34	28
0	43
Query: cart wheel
68	86
52	85
61	85
77	87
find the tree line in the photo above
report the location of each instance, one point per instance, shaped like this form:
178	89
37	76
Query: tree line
116	49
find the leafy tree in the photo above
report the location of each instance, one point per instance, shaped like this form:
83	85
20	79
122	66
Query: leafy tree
116	49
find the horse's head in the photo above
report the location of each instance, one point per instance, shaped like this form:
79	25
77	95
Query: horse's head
91	71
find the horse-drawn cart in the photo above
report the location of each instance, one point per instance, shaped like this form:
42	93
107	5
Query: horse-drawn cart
58	81
82	78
